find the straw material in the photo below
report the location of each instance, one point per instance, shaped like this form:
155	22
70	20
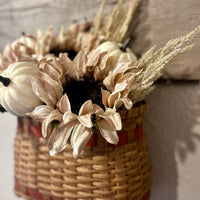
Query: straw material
102	172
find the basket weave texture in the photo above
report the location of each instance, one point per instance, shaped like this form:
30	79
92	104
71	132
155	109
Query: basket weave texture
102	172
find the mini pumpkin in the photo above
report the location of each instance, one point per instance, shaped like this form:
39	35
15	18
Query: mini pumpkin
16	93
118	51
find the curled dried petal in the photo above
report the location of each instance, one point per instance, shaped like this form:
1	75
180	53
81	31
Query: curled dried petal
69	117
69	66
80	137
108	132
59	138
112	98
97	109
86	108
55	86
113	118
81	60
47	89
114	75
126	101
40	113
93	58
105	96
41	90
54	115
86	120
64	104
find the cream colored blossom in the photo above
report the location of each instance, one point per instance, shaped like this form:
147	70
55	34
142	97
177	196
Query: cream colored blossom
12	54
79	127
75	38
120	82
50	92
108	122
58	140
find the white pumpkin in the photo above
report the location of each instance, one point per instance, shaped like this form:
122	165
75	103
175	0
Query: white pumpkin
114	50
16	93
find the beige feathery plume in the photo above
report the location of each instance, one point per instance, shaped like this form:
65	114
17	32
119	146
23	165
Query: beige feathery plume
98	20
117	23
152	63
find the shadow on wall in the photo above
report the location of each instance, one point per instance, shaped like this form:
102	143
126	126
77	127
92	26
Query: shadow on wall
172	134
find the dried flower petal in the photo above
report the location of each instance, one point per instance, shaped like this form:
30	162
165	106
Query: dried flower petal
55	115
126	101
125	81
86	120
70	67
93	58
103	67
53	85
86	108
59	138
81	60
112	98
47	89
84	117
40	113
79	138
113	118
111	79
97	110
64	104
53	68
40	89
108	132
70	117
105	96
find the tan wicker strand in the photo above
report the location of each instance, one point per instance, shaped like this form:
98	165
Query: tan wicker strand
101	173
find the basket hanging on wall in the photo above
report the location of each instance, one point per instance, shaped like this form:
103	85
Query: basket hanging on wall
79	97
103	171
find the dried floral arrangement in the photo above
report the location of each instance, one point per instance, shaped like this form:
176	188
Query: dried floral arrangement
76	82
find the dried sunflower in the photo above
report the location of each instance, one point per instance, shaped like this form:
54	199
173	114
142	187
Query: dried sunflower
78	36
43	43
76	98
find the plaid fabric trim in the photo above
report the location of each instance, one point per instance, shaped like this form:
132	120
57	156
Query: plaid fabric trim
35	130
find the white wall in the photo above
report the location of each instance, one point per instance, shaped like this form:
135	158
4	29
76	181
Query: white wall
7	133
173	133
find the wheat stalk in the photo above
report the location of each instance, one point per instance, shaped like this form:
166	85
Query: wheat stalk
117	23
153	62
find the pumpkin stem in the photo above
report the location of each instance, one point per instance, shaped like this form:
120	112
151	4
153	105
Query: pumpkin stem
126	44
2	109
5	81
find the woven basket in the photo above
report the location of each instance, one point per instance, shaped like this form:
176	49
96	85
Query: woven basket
102	172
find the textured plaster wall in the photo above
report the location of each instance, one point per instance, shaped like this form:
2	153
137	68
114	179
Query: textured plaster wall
173	135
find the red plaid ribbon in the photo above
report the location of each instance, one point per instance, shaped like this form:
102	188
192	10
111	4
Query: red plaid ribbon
35	130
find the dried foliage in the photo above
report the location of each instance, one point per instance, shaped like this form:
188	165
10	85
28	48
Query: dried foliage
115	27
153	62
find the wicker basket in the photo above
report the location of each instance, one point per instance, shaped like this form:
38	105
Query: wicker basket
103	171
